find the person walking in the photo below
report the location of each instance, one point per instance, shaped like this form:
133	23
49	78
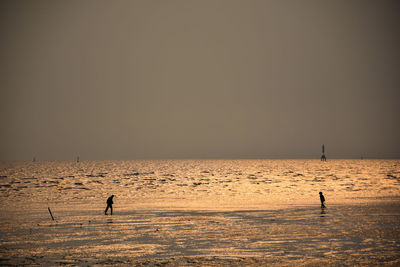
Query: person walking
322	198
109	204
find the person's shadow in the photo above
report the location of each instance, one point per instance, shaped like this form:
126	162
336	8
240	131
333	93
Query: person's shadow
322	212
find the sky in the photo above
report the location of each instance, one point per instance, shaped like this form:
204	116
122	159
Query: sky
199	79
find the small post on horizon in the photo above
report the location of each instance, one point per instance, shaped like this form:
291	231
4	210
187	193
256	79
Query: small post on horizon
77	159
323	157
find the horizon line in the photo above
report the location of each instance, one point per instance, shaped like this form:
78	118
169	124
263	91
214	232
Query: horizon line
203	158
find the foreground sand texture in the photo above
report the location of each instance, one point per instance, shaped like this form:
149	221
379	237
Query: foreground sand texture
219	212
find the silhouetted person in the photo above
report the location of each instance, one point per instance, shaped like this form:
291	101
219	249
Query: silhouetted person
323	157
109	204
322	198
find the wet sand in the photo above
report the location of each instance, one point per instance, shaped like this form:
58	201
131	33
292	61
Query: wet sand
212	213
367	234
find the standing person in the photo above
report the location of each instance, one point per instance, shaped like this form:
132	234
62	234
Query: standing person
322	198
109	204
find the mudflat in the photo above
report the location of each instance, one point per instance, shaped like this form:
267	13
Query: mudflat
211	213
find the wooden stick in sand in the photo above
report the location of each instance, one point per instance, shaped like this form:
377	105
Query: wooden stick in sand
50	213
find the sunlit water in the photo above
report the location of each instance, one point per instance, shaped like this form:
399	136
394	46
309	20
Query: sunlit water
201	211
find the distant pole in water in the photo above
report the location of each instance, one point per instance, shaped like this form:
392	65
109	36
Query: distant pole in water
323	157
50	213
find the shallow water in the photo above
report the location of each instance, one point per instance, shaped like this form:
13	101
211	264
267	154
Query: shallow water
231	182
201	212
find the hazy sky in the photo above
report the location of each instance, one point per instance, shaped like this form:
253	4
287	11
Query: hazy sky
199	79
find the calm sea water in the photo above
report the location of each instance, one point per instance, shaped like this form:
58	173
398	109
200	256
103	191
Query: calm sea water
239	182
243	209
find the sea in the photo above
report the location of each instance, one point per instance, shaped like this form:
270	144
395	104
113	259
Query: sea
200	212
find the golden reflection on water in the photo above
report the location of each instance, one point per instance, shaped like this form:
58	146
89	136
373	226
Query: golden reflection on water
202	183
241	209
